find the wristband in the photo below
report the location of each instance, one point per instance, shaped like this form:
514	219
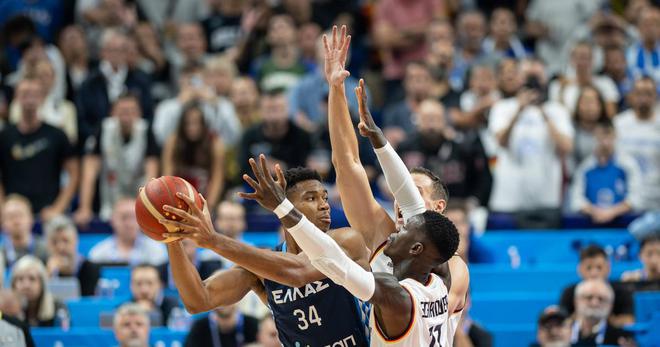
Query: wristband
283	208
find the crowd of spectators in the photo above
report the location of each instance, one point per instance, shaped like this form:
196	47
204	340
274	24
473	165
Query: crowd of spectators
524	107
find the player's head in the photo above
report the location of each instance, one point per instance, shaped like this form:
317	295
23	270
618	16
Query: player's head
430	237
306	192
594	263
433	192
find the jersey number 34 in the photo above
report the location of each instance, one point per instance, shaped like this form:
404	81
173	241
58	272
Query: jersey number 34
305	320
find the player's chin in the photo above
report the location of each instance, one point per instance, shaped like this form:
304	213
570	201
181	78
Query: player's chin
324	223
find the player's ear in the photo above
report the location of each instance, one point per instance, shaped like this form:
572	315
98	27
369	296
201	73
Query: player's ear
440	205
417	248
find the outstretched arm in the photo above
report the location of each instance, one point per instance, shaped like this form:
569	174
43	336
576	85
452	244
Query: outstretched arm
393	302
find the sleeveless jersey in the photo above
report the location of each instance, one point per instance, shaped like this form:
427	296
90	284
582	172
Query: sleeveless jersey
319	314
429	323
380	262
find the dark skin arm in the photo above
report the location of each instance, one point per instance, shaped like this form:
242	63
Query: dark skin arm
393	303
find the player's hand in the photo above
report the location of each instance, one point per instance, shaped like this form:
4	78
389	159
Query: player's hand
268	192
335	56
367	126
195	225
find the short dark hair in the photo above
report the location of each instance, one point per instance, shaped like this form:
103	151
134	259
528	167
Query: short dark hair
654	237
457	204
592	251
439	189
443	234
299	174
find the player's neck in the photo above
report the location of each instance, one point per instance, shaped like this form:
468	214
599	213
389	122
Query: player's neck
412	270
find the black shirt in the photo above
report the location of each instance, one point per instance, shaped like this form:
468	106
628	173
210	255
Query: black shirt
623	300
222	32
611	337
201	335
31	164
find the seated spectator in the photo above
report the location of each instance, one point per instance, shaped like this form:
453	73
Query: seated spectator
595	264
567	88
642	56
13	330
150	56
205	261
471	30
553	329
190	48
127	245
17	237
224	324
469	332
398	118
616	68
276	136
104	86
532	135
283	67
218	111
63	257
245	97
593	304
469	247
195	154
77	58
589	112
29	280
649	255
33	156
508	78
458	159
122	157
131	326
10	304
222	27
503	41
606	185
219	75
440	60
58	112
230	219
267	335
638	135
476	101
147	291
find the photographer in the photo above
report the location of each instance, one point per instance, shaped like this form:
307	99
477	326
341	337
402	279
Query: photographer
532	135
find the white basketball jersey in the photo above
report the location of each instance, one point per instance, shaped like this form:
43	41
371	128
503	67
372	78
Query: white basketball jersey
380	262
429	325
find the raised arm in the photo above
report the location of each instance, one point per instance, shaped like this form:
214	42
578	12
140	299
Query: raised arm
392	301
362	210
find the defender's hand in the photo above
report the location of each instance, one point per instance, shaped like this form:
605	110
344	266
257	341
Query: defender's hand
268	192
336	52
367	126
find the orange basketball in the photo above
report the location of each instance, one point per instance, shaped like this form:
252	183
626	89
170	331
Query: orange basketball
151	199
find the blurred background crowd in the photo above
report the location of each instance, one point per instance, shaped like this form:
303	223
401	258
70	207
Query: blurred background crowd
535	115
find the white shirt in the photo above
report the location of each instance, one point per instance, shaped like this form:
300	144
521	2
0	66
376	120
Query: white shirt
640	139
145	250
428	326
569	92
528	173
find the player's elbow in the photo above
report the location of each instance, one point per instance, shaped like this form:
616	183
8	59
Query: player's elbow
195	308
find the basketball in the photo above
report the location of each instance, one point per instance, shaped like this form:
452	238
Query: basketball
151	199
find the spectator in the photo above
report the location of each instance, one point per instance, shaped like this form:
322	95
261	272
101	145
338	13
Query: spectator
308	37
593	304
244	95
476	101
589	112
532	134
106	84
230	219
219	74
644	56
206	263
638	135
33	156
616	69
502	41
165	15
398	117
226	325
595	265
75	51
17	238
553	329
649	255
469	247
606	185
552	23
283	67
471	32
30	281
218	112
508	78
147	291
267	335
55	111
195	154
469	332
458	159
131	326
127	245
399	32
566	89
63	257
276	136
445	86
13	329
223	25
122	158
151	54
190	48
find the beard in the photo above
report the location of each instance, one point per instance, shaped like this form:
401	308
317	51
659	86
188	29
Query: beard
135	342
596	313
557	344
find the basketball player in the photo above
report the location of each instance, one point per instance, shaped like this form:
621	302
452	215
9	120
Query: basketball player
410	308
413	191
308	308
